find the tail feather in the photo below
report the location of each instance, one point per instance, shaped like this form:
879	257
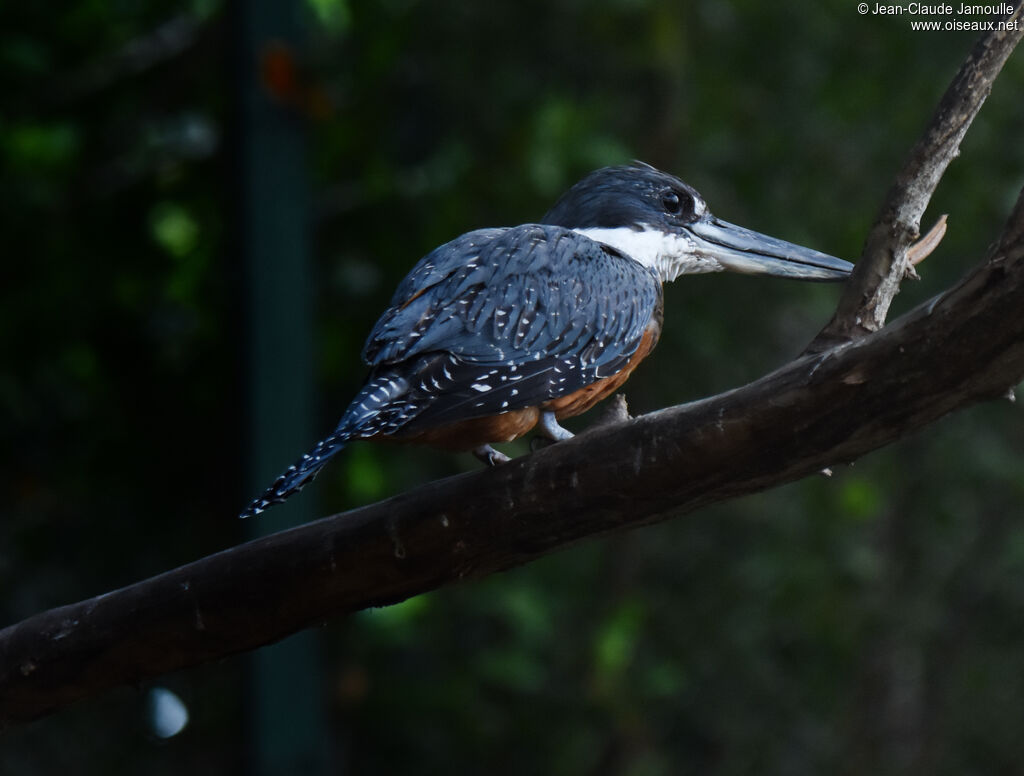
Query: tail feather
367	415
298	475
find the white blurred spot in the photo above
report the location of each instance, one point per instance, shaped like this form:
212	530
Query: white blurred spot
167	715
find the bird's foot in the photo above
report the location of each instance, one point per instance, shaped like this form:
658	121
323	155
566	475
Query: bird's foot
549	427
490	456
550	432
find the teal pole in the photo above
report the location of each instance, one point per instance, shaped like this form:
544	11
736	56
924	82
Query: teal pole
286	726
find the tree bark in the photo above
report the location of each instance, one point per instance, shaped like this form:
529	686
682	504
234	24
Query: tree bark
822	409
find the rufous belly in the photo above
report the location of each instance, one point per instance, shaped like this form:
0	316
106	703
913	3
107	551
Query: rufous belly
467	434
580	401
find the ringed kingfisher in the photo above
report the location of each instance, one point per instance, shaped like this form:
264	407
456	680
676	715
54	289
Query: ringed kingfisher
501	330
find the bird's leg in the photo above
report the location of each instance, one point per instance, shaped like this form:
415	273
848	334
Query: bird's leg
549	427
490	456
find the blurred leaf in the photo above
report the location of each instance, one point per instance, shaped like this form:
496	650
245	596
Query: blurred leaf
397	618
174	229
40	147
365	479
332	14
615	642
859	498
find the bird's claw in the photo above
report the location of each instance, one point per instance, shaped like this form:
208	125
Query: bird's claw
490	456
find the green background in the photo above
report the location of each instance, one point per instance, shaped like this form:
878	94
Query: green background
867	623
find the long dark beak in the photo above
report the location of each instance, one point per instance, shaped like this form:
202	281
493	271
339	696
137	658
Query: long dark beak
752	253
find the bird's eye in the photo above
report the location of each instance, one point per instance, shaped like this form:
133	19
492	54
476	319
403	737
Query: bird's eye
673	203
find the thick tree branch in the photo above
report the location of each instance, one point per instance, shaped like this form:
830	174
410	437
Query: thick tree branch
883	263
965	345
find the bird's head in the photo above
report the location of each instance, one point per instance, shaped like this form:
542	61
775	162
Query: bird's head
665	224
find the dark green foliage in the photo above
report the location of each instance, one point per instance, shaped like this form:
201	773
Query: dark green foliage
867	623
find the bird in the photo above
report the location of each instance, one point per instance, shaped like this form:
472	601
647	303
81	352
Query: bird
503	330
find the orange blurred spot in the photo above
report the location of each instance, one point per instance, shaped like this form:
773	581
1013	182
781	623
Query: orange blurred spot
278	72
281	78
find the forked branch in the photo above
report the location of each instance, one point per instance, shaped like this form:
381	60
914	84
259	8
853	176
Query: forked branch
883	264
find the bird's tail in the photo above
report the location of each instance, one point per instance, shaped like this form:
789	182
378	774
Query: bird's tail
296	476
366	416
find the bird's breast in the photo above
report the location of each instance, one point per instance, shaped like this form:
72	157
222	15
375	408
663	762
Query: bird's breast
581	400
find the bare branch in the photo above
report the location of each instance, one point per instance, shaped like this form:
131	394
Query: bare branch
965	345
883	263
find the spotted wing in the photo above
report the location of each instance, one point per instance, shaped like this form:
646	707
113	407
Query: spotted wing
503	319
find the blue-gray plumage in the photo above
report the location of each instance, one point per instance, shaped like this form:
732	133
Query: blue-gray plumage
500	330
521	316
